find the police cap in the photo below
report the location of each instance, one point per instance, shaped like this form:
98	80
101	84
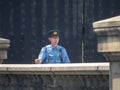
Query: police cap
53	33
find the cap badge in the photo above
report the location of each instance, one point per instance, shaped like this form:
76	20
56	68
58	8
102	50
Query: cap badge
55	33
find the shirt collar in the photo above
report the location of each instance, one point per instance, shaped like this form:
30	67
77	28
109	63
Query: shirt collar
54	48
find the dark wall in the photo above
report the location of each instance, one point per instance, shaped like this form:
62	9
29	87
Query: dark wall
95	10
26	22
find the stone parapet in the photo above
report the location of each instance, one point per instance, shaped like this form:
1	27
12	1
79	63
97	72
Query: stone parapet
108	32
75	68
82	76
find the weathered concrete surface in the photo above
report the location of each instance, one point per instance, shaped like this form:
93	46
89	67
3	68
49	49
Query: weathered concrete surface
108	32
76	76
74	68
4	45
109	22
115	75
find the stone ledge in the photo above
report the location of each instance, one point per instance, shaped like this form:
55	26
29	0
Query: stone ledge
107	31
4	45
2	40
110	22
75	68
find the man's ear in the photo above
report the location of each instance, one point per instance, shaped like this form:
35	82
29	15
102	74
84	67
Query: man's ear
49	39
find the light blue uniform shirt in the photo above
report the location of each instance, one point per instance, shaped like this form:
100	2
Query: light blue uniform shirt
51	55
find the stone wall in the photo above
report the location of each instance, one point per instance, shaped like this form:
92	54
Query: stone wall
84	76
108	31
4	45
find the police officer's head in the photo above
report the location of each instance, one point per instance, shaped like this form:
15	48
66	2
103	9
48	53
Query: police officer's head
53	36
53	33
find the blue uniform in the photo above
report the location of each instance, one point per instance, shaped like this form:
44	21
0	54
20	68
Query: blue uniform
51	55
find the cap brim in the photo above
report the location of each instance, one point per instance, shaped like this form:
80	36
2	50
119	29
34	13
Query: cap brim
55	36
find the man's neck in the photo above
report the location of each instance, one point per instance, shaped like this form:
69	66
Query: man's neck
54	46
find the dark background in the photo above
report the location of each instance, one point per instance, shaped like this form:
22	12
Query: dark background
26	22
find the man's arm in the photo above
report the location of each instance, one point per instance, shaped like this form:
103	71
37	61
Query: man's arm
65	56
41	56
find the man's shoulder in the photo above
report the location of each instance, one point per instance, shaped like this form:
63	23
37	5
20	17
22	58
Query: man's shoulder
60	47
47	46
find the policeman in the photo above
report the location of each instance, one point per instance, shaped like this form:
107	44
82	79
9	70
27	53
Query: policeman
53	53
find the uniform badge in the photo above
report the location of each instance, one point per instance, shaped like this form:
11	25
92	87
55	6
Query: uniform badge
55	33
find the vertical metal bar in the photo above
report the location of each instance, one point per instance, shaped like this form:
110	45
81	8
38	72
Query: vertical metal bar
83	28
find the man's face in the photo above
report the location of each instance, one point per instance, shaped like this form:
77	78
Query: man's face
54	40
